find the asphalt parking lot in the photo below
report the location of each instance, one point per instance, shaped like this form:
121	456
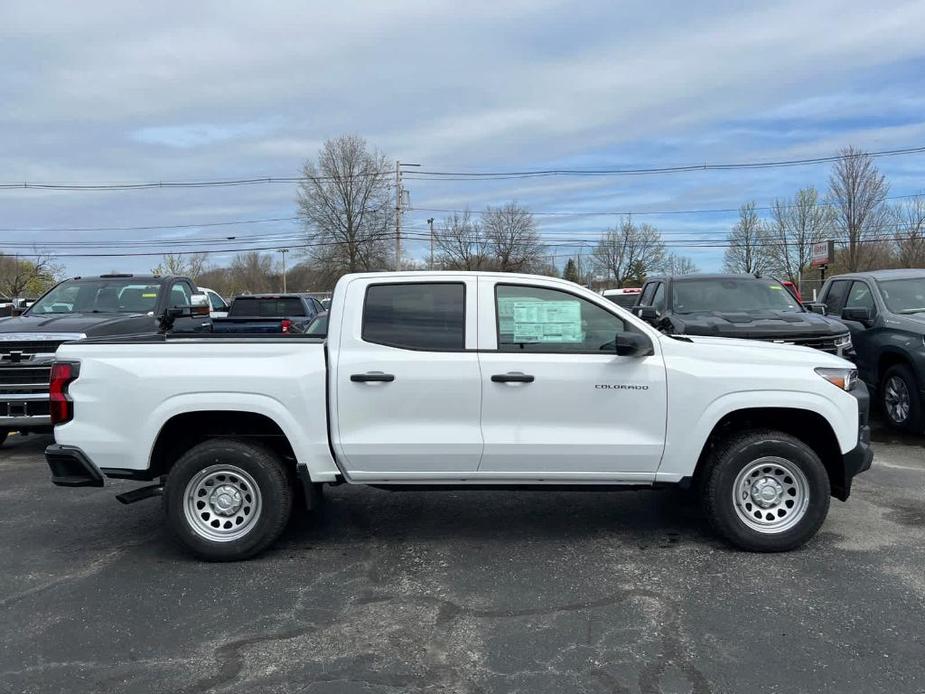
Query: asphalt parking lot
463	592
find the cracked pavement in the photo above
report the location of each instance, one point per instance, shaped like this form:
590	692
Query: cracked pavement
462	592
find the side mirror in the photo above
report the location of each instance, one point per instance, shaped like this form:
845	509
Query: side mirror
816	308
858	314
632	345
648	313
199	305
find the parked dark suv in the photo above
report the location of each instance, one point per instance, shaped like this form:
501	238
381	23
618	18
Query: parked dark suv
885	311
742	306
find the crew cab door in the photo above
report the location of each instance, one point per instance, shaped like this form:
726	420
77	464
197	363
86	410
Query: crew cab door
405	380
557	401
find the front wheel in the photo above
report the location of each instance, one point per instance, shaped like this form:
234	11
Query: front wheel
766	491
899	397
227	500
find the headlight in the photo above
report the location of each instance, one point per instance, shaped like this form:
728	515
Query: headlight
843	341
846	379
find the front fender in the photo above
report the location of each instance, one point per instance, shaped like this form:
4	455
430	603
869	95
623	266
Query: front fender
689	428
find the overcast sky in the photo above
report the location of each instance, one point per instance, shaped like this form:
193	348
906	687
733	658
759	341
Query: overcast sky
165	91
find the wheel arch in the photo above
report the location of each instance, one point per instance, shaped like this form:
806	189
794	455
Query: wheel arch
891	357
808	426
184	430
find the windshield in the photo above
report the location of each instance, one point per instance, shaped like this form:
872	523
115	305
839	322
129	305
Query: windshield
904	296
732	296
98	296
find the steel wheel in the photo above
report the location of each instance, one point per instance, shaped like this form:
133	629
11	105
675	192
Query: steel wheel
222	503
771	495
896	399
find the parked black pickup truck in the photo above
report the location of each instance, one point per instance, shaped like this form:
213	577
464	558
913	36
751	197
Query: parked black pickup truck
269	313
76	308
885	311
742	306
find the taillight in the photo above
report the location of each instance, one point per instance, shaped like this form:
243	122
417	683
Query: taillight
63	373
285	324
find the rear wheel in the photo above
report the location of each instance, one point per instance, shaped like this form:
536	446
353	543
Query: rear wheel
227	500
766	491
900	399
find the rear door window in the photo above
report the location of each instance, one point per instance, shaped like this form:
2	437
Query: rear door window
418	316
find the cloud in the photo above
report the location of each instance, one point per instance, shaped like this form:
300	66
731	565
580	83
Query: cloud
99	92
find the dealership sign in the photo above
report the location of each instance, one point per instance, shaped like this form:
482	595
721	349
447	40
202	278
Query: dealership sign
823	253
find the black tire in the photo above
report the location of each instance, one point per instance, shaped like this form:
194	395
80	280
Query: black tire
913	420
3	434
262	521
741	453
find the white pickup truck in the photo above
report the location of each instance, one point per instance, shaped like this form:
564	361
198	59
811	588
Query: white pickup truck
430	380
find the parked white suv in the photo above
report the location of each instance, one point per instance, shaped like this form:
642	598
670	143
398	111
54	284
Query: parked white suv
466	380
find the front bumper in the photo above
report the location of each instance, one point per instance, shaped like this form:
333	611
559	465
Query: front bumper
859	458
70	467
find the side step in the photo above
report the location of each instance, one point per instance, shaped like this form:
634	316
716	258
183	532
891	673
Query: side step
140	493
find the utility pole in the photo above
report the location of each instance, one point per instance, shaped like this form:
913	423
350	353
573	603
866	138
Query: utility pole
430	222
397	215
284	251
398	210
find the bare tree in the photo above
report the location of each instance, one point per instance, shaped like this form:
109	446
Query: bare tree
794	227
629	250
254	272
511	239
857	191
460	244
747	249
909	232
343	201
191	265
675	264
21	276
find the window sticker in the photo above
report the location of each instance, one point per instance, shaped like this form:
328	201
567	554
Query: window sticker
540	321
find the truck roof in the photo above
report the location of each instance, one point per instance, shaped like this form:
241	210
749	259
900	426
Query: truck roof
896	274
708	276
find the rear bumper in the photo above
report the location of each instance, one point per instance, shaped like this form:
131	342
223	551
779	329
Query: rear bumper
70	467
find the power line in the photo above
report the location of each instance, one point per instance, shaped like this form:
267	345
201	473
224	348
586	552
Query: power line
153	227
455	175
637	213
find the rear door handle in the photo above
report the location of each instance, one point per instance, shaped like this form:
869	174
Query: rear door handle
372	377
512	378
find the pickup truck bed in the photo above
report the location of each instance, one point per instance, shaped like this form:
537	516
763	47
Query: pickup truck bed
465	380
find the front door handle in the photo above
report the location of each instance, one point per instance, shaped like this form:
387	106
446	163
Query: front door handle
372	377
512	377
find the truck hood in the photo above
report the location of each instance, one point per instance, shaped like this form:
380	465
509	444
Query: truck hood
89	324
732	350
756	324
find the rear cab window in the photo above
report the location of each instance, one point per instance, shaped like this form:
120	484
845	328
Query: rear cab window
267	307
416	316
